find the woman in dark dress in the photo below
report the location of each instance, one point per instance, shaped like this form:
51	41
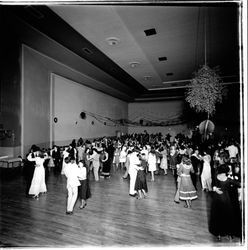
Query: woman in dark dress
224	215
196	162
105	164
56	155
84	192
140	183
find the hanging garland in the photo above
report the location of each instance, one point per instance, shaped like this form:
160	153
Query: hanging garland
107	121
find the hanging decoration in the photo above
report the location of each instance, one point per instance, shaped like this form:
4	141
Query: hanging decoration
205	90
107	121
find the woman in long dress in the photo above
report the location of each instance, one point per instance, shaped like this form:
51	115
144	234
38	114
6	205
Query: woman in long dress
164	164
187	191
206	176
225	215
116	159
140	184
173	161
123	156
196	163
105	164
38	184
152	160
84	188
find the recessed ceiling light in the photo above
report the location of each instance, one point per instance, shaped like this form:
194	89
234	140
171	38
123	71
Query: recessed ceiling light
112	41
134	64
150	32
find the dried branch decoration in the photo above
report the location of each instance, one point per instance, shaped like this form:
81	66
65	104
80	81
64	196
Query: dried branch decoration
205	90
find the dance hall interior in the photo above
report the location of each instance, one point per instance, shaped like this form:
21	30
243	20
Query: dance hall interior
123	124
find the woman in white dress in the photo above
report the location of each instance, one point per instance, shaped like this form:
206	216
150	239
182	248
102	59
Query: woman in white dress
152	161
38	184
123	156
206	178
65	155
164	164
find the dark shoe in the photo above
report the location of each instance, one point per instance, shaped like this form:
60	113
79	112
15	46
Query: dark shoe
177	202
69	212
186	206
133	195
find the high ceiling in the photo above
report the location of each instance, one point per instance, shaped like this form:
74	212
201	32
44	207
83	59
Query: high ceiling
159	65
119	32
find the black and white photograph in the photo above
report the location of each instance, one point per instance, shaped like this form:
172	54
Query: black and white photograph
123	124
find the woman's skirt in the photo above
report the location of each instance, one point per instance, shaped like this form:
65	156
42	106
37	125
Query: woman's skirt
163	163
141	181
84	190
106	168
38	184
51	163
116	159
187	190
152	166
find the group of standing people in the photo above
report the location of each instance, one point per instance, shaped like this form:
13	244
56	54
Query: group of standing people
215	168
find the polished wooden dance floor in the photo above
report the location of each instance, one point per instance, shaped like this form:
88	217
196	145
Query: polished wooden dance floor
111	218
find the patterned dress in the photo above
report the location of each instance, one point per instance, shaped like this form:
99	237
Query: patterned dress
186	189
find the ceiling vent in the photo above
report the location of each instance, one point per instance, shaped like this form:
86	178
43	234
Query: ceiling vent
88	51
163	58
169	74
150	32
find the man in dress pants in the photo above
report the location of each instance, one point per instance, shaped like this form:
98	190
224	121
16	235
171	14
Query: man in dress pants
134	162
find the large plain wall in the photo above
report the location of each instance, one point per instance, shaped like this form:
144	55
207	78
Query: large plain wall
70	99
157	111
46	95
36	102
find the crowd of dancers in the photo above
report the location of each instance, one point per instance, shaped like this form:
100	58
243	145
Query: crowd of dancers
212	166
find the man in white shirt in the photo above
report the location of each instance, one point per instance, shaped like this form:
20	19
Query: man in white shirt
232	150
134	161
72	174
